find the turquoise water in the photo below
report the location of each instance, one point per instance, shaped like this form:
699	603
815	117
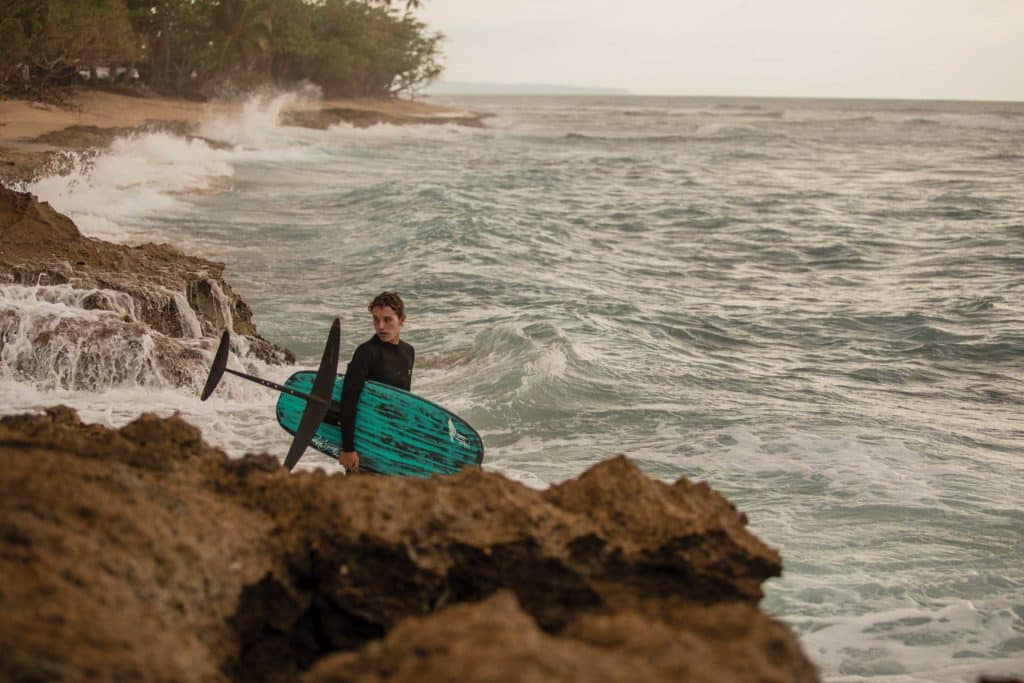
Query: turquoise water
816	306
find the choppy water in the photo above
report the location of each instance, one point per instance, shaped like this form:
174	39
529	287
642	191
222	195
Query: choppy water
817	306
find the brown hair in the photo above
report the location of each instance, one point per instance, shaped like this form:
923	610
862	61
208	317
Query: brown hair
391	299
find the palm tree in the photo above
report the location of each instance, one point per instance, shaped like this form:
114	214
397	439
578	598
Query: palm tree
245	29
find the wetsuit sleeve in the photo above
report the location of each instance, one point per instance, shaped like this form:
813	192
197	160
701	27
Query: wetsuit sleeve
355	378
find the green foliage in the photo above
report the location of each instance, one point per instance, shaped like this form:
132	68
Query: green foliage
242	30
49	39
348	47
366	50
178	53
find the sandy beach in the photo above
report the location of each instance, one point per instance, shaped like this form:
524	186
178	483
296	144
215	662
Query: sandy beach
30	132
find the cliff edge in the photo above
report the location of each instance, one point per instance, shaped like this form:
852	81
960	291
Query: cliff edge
143	554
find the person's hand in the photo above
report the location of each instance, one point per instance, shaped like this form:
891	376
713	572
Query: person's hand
350	460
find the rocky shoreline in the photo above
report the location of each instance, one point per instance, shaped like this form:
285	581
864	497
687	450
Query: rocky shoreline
143	554
149	294
173	303
34	136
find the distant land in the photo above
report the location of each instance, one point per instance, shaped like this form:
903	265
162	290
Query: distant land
474	88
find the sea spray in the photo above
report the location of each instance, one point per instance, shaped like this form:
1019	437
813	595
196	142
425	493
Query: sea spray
257	125
112	193
107	193
88	349
86	340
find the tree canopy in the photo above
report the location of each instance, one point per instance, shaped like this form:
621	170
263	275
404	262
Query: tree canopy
199	47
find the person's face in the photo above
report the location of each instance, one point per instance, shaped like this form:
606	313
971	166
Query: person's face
387	324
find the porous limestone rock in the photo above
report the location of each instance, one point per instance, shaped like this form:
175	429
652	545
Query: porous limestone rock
143	554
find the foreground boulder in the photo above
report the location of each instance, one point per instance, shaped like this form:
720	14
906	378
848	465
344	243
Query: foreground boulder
143	554
496	640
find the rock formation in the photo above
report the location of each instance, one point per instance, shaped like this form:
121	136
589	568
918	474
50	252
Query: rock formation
150	295
143	554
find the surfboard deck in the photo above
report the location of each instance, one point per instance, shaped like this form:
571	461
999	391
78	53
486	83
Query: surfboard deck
397	432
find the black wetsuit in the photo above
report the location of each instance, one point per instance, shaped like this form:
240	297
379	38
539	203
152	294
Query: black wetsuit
378	361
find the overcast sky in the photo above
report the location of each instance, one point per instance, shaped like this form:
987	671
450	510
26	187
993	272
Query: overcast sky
943	49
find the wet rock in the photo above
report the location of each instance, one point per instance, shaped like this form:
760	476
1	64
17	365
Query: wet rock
92	356
143	554
496	640
105	560
25	222
173	294
95	138
24	164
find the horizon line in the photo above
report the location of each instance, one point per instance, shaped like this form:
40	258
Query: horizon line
611	91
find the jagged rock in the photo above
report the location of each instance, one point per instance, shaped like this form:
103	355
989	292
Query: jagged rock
63	352
24	164
143	554
25	222
95	137
41	246
496	640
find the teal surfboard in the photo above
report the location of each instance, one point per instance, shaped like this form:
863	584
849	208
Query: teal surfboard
397	432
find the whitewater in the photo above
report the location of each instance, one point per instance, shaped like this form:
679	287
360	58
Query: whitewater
816	306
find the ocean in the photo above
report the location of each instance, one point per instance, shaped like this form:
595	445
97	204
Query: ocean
816	306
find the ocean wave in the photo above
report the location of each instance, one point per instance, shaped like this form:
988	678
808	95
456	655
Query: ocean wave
106	194
827	118
734	130
112	193
386	132
1000	156
737	106
752	114
725	131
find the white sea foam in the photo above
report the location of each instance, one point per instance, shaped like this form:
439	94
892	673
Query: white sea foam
888	644
87	339
257	125
863	471
94	339
714	130
386	132
115	193
125	192
109	195
123	379
229	420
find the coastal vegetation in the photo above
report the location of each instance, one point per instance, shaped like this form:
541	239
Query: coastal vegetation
199	48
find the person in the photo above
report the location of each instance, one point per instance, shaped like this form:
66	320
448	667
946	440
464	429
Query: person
384	358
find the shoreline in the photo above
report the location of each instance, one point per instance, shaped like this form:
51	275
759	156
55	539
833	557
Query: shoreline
179	296
32	133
